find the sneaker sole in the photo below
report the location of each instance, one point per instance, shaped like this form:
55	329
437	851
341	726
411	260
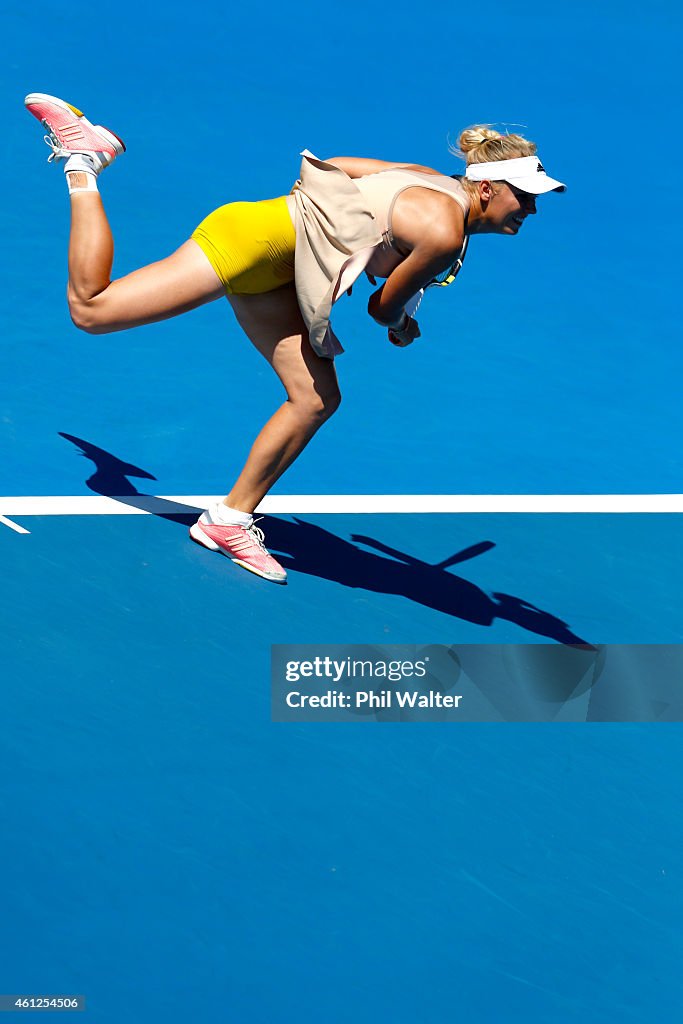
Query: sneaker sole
199	537
114	141
43	97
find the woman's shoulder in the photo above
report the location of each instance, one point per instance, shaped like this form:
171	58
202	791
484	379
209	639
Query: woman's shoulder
440	191
421	211
436	192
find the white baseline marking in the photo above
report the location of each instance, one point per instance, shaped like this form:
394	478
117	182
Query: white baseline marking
302	504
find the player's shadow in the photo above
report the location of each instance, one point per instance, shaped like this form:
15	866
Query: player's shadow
110	479
304	547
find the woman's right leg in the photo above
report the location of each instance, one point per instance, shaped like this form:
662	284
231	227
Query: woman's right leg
161	290
97	305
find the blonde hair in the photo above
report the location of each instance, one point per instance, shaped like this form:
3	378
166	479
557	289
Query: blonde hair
480	144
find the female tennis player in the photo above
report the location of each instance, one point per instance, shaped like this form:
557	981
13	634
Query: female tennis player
283	263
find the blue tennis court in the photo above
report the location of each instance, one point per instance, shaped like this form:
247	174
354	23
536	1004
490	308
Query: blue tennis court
167	850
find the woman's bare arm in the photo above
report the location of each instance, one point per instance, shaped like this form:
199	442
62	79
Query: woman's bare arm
431	226
428	259
357	167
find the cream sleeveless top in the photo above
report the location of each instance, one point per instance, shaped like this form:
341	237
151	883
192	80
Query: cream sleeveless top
343	227
381	191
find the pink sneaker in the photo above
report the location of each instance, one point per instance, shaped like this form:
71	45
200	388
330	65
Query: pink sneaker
69	131
242	544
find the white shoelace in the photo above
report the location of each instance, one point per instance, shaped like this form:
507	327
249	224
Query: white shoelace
58	152
257	535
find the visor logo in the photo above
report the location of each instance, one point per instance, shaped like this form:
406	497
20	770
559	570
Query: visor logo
540	168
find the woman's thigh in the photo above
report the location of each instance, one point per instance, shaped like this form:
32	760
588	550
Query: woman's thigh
182	281
273	323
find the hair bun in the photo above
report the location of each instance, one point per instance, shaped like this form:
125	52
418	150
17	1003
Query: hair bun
476	136
472	145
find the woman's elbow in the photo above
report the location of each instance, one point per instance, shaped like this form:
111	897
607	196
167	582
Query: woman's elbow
85	318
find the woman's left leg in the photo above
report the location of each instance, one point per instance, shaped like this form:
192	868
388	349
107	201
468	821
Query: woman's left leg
273	323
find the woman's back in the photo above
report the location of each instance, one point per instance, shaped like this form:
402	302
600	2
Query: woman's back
382	189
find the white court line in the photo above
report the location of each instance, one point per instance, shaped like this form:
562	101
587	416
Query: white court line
13	526
302	504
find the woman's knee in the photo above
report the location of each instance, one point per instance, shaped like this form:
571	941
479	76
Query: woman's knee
316	407
331	403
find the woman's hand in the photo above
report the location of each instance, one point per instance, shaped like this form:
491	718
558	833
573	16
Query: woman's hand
405	335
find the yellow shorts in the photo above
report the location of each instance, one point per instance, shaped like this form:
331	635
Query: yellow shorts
249	245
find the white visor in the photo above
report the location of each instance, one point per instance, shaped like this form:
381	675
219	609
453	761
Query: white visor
526	173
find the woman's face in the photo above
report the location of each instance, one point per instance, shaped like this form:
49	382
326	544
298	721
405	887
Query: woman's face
508	207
